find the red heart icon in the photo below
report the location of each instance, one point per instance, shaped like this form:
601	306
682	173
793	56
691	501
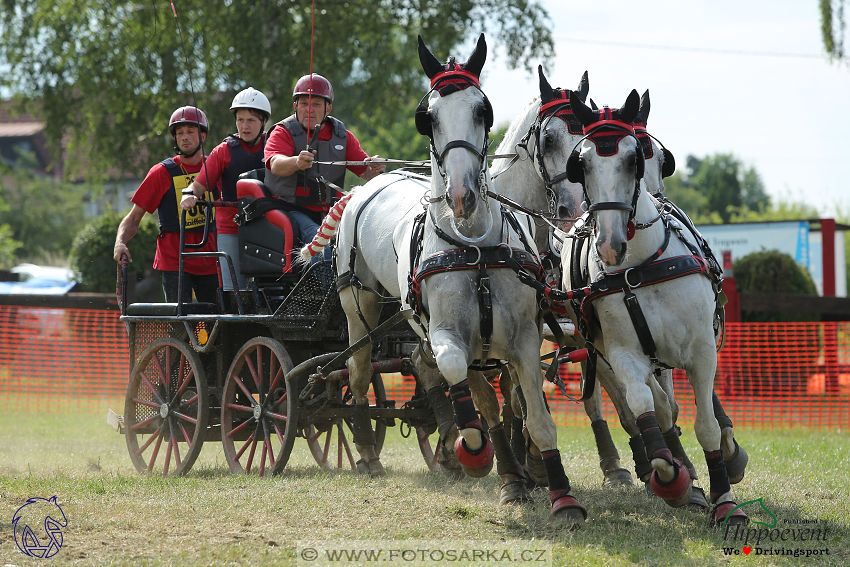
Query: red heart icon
747	550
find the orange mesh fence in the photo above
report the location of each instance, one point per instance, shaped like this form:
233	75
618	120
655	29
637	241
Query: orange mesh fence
769	375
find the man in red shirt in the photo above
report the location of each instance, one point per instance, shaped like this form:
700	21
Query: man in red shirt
238	153
161	191
291	174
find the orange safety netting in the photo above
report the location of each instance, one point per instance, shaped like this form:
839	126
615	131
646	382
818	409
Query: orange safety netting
770	375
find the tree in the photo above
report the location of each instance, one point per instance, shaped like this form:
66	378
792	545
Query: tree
717	187
106	74
42	215
832	26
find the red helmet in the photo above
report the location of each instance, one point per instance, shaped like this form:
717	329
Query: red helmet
188	115
320	87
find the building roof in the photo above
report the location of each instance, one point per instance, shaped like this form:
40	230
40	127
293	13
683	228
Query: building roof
20	129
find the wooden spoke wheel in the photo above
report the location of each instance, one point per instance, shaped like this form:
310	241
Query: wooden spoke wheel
331	441
254	409
167	408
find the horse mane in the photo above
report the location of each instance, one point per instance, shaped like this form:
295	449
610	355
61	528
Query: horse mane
518	128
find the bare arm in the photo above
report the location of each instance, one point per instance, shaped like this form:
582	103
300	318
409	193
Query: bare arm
284	166
127	230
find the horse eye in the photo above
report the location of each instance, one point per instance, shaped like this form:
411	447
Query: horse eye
479	113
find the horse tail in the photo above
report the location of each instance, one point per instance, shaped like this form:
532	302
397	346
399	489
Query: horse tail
327	230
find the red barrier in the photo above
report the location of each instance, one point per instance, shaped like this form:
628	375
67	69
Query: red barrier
770	375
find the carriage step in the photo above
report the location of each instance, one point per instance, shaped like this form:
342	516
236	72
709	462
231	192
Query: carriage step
115	421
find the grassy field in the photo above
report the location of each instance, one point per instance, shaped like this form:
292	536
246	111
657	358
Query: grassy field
210	517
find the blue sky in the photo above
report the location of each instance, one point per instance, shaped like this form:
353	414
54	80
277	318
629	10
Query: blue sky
786	116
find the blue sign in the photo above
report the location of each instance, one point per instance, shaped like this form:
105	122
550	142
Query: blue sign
38	527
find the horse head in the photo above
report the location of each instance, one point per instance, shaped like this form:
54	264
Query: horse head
554	140
659	161
609	163
457	116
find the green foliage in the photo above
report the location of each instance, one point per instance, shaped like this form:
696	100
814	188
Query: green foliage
771	271
8	246
112	104
91	253
716	188
832	26
41	213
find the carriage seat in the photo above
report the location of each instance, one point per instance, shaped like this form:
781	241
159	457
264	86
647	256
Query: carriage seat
265	243
170	309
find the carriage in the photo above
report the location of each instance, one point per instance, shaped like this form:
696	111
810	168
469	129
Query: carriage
262	367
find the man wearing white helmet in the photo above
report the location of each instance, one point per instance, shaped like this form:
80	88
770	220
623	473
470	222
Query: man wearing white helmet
238	153
292	175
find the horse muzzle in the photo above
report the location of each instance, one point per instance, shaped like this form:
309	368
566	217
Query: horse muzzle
462	201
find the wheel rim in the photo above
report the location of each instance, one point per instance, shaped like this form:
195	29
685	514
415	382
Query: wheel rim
332	443
166	406
254	414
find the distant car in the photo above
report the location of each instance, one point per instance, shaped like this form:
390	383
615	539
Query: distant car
39	280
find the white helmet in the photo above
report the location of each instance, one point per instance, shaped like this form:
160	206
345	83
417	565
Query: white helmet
251	98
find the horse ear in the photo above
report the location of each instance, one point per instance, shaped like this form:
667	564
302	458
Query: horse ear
546	92
593	105
584	114
629	110
583	87
643	111
476	61
430	64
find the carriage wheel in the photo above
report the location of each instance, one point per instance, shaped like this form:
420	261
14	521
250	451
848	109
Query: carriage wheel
332	442
166	405
254	409
429	449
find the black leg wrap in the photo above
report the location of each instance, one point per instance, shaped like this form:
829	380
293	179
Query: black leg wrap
642	465
555	470
650	432
717	476
464	408
506	462
719	413
604	443
361	425
442	408
517	440
671	438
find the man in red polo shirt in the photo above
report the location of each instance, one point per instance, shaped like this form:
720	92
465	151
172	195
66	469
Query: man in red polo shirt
238	153
161	191
291	175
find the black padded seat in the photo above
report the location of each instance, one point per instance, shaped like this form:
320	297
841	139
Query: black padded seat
170	309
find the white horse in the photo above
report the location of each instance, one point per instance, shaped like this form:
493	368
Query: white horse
653	301
474	310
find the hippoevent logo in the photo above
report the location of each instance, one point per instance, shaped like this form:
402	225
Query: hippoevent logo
38	527
766	535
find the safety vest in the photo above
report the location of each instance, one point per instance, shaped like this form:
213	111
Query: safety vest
169	208
241	160
302	187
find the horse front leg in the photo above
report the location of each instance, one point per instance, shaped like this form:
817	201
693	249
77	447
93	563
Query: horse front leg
566	509
356	304
670	479
473	449
708	434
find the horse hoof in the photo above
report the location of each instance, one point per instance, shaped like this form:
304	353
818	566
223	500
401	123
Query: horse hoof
721	512
698	501
616	478
677	493
568	512
737	464
373	468
476	464
536	470
514	493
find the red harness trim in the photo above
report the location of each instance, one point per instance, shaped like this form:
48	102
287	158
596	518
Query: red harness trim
601	123
471	77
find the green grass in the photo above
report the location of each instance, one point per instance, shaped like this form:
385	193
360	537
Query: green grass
210	517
